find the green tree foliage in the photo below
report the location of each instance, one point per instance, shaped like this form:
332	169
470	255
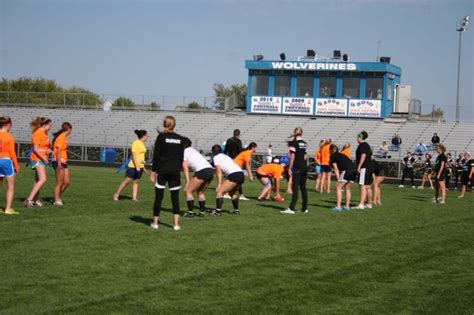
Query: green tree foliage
194	105
235	95
45	92
123	102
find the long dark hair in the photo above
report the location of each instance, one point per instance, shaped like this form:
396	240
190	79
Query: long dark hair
64	127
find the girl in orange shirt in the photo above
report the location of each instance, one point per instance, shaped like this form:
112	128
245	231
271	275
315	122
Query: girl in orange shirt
8	161
317	160
326	169
346	150
243	160
39	158
59	162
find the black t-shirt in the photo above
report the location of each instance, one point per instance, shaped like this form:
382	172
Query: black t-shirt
342	161
435	140
460	164
168	153
441	158
364	147
467	166
233	146
409	162
298	148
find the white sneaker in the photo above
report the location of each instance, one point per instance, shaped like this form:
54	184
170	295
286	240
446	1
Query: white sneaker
38	203
226	196
242	197
360	207
288	211
154	226
368	206
304	211
400	186
58	203
421	187
413	187
176	227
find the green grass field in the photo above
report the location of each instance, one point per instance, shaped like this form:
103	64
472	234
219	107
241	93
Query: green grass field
94	255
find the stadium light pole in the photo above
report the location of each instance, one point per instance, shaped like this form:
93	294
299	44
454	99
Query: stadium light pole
462	27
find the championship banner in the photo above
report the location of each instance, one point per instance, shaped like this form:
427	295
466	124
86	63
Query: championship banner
266	105
298	106
331	107
365	108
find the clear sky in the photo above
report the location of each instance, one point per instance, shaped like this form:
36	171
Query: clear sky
182	47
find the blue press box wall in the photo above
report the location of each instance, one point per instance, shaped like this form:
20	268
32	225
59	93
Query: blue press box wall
320	106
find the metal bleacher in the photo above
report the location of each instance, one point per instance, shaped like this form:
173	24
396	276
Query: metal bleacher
115	128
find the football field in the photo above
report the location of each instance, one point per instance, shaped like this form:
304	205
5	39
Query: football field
95	255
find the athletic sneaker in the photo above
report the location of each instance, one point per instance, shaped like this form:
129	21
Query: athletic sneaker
227	196
242	197
216	213
400	186
368	206
38	203
288	211
336	209
413	187
442	202
154	226
201	214
115	197
10	211
236	212
460	197
189	214
346	208
28	203
421	187
176	227
261	199
304	211
360	207
58	203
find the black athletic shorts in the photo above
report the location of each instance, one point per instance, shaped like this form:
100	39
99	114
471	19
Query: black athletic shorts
380	171
464	179
133	173
442	176
237	177
54	164
347	177
173	180
260	176
206	174
326	169
365	177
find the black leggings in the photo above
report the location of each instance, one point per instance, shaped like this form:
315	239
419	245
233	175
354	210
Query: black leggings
159	192
299	181
408	171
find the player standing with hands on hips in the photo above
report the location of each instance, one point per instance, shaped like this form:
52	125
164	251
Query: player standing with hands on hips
168	157
298	169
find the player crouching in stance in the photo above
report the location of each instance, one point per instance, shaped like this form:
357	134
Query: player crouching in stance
203	175
346	174
8	162
235	178
268	172
168	157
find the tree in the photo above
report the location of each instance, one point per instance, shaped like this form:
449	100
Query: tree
123	102
235	94
154	105
194	105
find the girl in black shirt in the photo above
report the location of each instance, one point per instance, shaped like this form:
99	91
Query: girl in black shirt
167	163
298	169
365	168
427	170
440	175
408	162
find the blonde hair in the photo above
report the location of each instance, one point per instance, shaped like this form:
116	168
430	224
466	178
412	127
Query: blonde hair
298	132
169	123
442	148
346	146
39	122
5	120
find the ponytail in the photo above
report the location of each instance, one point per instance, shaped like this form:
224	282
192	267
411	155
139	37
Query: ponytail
298	132
140	133
169	123
64	127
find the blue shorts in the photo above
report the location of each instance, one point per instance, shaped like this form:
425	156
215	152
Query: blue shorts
6	167
34	164
54	164
318	169
133	173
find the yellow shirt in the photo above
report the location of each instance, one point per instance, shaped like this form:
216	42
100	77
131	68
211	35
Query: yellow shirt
139	149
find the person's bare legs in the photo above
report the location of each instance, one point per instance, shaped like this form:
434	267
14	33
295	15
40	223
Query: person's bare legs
40	181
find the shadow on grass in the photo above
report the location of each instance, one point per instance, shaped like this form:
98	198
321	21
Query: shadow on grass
146	221
418	198
272	206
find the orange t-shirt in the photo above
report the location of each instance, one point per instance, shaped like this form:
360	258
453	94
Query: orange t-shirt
325	155
40	138
7	148
60	144
317	156
243	158
347	152
271	170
